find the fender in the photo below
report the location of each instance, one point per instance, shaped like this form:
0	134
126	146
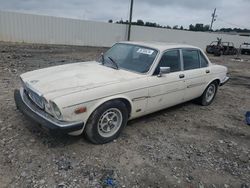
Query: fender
102	101
215	79
99	103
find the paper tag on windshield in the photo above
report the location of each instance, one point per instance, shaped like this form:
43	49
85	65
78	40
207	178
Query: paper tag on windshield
145	51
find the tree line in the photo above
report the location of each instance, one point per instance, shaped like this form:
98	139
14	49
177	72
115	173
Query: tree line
195	27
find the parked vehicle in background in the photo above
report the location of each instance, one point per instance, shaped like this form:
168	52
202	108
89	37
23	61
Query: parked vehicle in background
219	48
228	48
130	80
245	48
214	47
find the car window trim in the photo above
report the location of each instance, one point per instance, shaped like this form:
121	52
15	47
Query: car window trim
194	49
161	55
200	52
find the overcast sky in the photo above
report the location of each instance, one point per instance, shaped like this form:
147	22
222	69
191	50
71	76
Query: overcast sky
231	13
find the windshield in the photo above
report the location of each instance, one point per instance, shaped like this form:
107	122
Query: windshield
130	57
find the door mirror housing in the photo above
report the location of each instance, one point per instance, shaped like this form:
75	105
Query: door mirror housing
164	70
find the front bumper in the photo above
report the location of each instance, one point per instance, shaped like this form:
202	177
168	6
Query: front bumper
47	121
223	82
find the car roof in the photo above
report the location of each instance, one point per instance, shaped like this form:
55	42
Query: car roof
159	45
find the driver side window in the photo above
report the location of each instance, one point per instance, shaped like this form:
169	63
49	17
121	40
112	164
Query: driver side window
169	59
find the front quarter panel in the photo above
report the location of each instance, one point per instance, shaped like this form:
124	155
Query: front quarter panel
134	92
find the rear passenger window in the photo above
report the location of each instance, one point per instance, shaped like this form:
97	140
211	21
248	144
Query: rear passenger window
204	62
190	59
169	59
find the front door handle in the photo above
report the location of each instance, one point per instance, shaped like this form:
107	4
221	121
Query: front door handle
207	71
181	76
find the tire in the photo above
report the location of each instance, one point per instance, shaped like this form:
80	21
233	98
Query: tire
204	100
106	122
218	53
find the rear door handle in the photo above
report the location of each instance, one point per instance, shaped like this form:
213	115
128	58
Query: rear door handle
207	71
181	76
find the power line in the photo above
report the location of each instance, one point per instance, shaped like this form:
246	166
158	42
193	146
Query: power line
232	24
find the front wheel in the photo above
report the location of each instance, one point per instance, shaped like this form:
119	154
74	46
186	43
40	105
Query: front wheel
106	122
218	53
209	94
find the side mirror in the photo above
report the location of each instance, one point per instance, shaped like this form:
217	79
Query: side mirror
164	70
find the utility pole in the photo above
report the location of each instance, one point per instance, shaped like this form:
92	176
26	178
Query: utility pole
130	18
213	19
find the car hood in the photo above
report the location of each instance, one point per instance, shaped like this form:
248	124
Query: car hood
70	78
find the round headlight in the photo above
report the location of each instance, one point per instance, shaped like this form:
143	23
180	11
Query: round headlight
56	110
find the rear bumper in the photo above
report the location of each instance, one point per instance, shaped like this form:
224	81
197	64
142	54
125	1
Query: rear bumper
223	82
41	117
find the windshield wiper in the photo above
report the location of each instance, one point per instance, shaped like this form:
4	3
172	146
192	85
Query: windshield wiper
114	63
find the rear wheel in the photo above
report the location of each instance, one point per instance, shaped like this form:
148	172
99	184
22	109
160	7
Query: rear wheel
209	94
106	122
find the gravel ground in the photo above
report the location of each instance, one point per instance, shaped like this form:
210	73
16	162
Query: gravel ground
184	146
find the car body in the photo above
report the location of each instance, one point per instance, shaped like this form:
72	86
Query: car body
229	49
221	48
245	48
213	47
151	76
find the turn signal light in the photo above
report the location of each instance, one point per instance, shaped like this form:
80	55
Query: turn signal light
80	110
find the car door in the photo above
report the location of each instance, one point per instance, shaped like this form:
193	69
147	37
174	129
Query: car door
195	73
168	89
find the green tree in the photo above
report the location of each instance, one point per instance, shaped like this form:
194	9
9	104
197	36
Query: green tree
150	24
206	28
139	22
199	27
191	27
175	27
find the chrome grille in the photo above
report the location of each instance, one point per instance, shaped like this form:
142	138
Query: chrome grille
34	97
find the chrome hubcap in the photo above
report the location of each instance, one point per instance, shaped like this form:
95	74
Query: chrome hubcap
210	93
109	122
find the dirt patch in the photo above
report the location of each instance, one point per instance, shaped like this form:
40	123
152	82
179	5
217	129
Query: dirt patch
184	146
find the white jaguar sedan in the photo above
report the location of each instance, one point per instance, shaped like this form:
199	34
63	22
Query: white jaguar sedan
130	80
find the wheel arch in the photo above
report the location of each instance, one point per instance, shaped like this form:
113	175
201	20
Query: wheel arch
217	80
124	99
